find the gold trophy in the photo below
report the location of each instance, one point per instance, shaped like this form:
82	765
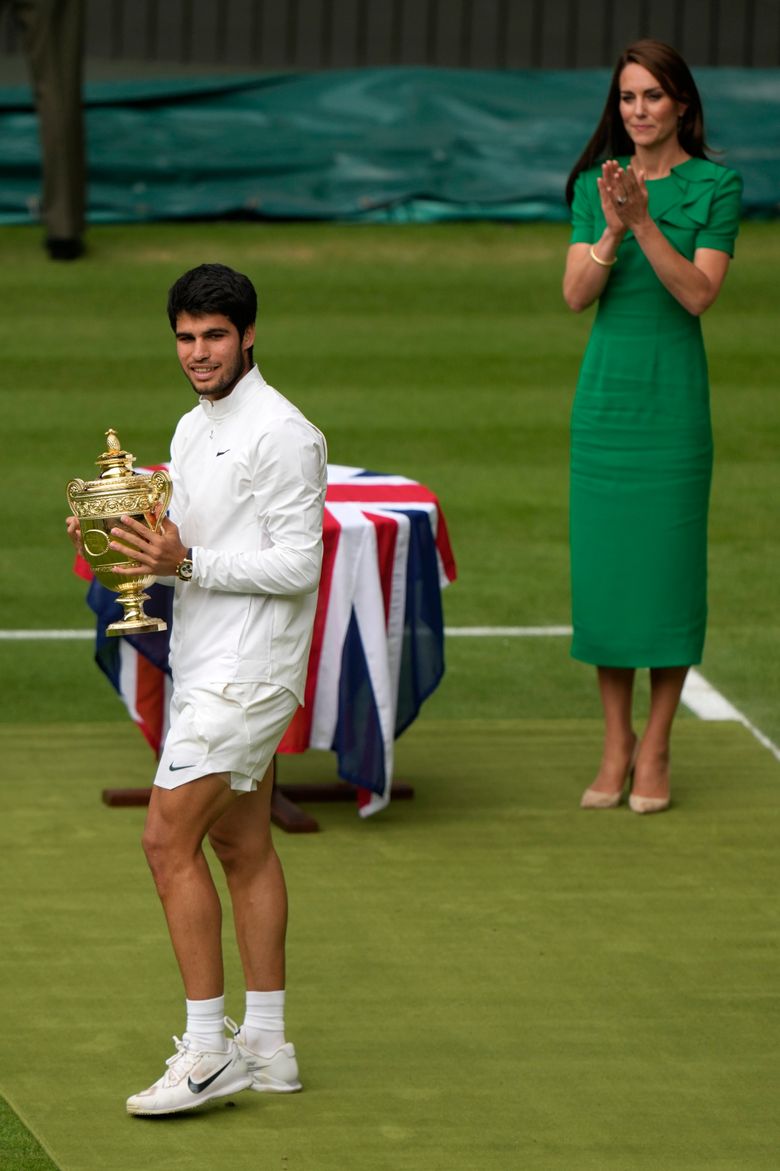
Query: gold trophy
99	504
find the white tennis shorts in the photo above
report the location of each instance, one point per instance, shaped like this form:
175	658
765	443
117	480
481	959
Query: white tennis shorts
230	728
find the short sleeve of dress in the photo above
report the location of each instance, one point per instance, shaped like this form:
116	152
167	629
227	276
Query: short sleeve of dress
583	210
722	225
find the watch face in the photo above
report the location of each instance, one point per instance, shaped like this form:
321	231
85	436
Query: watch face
185	570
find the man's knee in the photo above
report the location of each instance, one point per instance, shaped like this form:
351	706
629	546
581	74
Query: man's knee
177	821
239	853
167	852
156	848
229	850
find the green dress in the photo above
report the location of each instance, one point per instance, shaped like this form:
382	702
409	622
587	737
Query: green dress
641	439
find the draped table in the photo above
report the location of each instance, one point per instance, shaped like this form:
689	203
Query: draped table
377	647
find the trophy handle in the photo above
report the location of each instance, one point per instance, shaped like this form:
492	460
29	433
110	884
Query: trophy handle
72	488
160	492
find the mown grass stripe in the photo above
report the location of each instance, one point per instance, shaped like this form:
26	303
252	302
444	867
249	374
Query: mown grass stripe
699	696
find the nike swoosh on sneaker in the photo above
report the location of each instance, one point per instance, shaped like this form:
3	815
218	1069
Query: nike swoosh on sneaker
199	1087
176	768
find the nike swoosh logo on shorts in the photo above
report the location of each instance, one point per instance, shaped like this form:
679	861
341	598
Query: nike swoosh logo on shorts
199	1087
176	768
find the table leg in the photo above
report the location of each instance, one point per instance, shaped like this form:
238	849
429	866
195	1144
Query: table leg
285	812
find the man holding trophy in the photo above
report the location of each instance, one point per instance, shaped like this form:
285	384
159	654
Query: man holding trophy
243	544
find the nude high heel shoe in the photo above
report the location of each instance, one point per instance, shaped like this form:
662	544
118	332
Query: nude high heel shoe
595	799
639	804
648	804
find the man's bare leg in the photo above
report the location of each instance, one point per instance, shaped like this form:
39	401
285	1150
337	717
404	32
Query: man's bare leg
205	1065
242	841
176	824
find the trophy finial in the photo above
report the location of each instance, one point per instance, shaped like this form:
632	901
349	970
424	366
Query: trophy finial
115	461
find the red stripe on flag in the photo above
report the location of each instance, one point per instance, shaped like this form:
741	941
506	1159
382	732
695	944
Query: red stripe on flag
380	493
298	734
445	548
81	567
361	492
150	701
363	797
386	530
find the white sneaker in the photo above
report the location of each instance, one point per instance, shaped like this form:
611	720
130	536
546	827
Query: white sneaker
194	1075
277	1074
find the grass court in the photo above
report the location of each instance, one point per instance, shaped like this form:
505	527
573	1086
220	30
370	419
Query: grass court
484	978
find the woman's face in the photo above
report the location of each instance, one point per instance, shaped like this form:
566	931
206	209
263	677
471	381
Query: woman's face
649	114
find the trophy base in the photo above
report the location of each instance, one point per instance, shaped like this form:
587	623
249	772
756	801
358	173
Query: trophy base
134	620
145	625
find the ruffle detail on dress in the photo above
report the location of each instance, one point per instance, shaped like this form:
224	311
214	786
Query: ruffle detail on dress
686	201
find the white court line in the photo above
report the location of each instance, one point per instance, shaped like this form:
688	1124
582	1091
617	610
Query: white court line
698	695
705	702
45	635
708	704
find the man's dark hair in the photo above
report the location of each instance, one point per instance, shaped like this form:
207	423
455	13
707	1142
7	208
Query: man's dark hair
214	288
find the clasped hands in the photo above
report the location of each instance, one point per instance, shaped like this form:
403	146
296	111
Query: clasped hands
157	553
623	196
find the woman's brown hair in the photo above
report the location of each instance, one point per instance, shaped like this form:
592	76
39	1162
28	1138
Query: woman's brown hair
610	137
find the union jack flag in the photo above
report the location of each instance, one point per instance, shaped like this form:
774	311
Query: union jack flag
378	643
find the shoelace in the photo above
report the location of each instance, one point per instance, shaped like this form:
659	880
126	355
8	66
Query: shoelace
180	1063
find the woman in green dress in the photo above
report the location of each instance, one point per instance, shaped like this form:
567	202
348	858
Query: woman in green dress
654	223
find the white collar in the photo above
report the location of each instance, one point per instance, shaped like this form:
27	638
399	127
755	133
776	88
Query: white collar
246	388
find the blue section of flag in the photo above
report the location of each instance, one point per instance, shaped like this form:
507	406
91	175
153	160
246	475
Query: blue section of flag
358	741
422	654
154	646
107	609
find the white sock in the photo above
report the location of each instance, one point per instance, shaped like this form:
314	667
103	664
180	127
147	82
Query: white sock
264	1022
206	1023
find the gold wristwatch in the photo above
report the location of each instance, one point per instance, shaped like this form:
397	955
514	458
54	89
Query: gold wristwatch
184	568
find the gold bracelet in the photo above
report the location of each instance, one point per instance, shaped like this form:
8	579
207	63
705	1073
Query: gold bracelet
603	263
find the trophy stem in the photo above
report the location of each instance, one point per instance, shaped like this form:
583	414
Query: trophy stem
134	620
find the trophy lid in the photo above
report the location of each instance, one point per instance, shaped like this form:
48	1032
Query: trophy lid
114	461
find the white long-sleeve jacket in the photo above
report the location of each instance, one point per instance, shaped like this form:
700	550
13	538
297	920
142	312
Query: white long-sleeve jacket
249	476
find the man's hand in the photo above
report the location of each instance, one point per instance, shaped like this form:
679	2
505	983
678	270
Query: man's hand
74	532
157	553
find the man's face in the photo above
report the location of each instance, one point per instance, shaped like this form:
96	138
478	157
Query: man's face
212	355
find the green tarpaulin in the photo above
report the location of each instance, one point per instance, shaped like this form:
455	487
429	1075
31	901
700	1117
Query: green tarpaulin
373	144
